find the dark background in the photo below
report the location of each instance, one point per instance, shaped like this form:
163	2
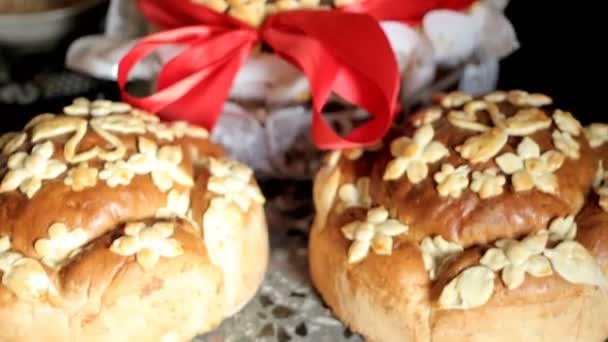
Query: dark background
562	54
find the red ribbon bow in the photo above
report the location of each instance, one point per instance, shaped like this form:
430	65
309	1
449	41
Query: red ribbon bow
342	51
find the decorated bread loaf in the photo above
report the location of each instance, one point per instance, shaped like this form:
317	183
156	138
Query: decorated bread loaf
117	227
255	11
481	219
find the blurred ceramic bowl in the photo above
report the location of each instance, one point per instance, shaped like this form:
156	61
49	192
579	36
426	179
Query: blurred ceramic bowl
43	30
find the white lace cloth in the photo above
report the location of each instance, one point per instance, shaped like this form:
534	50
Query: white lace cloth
470	45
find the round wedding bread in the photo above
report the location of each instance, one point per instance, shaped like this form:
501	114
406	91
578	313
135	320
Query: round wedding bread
117	227
480	219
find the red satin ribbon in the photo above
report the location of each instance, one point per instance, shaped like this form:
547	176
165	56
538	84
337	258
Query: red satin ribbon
345	52
409	12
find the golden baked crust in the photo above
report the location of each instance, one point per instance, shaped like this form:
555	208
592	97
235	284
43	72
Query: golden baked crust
116	227
481	219
254	12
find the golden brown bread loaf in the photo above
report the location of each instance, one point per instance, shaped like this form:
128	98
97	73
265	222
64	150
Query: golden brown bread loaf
116	227
254	12
479	220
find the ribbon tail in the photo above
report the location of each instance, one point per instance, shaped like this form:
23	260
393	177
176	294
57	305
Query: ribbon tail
203	104
191	88
314	42
407	12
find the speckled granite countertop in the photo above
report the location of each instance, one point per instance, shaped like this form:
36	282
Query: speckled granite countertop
286	307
